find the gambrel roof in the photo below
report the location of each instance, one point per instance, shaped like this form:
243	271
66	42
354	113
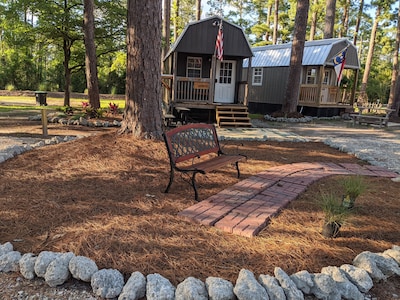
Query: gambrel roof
199	38
316	53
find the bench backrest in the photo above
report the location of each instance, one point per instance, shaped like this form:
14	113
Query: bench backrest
190	141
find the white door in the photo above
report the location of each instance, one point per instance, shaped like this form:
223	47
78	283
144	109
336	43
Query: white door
225	81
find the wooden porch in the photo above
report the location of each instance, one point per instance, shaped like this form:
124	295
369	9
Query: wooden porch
184	96
315	95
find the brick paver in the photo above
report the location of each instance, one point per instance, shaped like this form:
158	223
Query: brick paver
246	207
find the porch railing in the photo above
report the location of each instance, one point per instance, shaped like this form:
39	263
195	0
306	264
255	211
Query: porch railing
309	95
192	89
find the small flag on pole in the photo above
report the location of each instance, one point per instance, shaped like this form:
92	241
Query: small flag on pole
338	63
219	44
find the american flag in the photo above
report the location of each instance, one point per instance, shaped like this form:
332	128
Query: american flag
219	44
338	63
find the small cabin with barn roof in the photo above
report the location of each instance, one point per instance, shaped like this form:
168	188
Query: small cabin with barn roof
200	87
319	94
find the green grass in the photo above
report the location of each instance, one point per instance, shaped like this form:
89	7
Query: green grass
256	116
11	103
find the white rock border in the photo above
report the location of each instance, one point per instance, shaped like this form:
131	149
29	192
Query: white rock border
344	282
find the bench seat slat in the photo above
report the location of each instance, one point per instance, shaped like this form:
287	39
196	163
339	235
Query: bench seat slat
214	163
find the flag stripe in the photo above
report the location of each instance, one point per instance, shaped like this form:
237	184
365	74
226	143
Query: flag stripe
219	45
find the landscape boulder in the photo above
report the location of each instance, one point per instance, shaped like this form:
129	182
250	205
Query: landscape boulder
135	287
191	289
159	287
271	285
219	289
82	268
359	277
43	260
57	271
248	288
107	283
288	286
379	266
324	287
394	253
344	286
27	265
9	262
5	248
303	281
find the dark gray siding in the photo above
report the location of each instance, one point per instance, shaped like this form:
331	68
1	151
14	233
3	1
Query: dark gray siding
273	88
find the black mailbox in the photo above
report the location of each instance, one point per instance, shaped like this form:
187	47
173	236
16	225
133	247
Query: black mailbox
41	98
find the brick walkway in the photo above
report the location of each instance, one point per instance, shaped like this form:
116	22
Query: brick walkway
246	207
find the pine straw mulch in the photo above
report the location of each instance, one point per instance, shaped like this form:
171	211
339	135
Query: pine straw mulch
102	197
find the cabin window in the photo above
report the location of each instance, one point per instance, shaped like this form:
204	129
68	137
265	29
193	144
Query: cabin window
257	76
311	76
193	67
327	78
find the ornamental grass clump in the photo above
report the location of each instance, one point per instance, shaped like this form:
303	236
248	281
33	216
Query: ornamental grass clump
335	214
353	186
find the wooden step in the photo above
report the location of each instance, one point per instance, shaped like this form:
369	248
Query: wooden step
232	116
235	124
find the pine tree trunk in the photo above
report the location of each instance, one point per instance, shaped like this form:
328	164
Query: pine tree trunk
314	16
268	23
90	56
358	22
394	98
142	116
176	18
329	19
166	30
363	89
296	57
198	10
345	19
67	72
276	15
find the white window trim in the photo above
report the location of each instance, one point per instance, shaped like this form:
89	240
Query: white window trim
260	76
310	76
192	68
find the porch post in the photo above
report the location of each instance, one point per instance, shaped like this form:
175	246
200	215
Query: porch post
319	82
247	87
213	78
353	89
174	80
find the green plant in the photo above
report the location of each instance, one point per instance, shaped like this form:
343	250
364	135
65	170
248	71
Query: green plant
10	87
333	209
335	214
354	186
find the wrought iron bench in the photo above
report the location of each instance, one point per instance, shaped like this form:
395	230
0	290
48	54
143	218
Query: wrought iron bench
199	144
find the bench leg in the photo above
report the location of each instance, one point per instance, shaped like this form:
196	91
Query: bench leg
196	195
171	179
237	168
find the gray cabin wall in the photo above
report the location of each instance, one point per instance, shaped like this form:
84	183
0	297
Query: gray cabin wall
273	88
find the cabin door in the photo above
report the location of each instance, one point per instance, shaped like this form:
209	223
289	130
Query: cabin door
225	81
